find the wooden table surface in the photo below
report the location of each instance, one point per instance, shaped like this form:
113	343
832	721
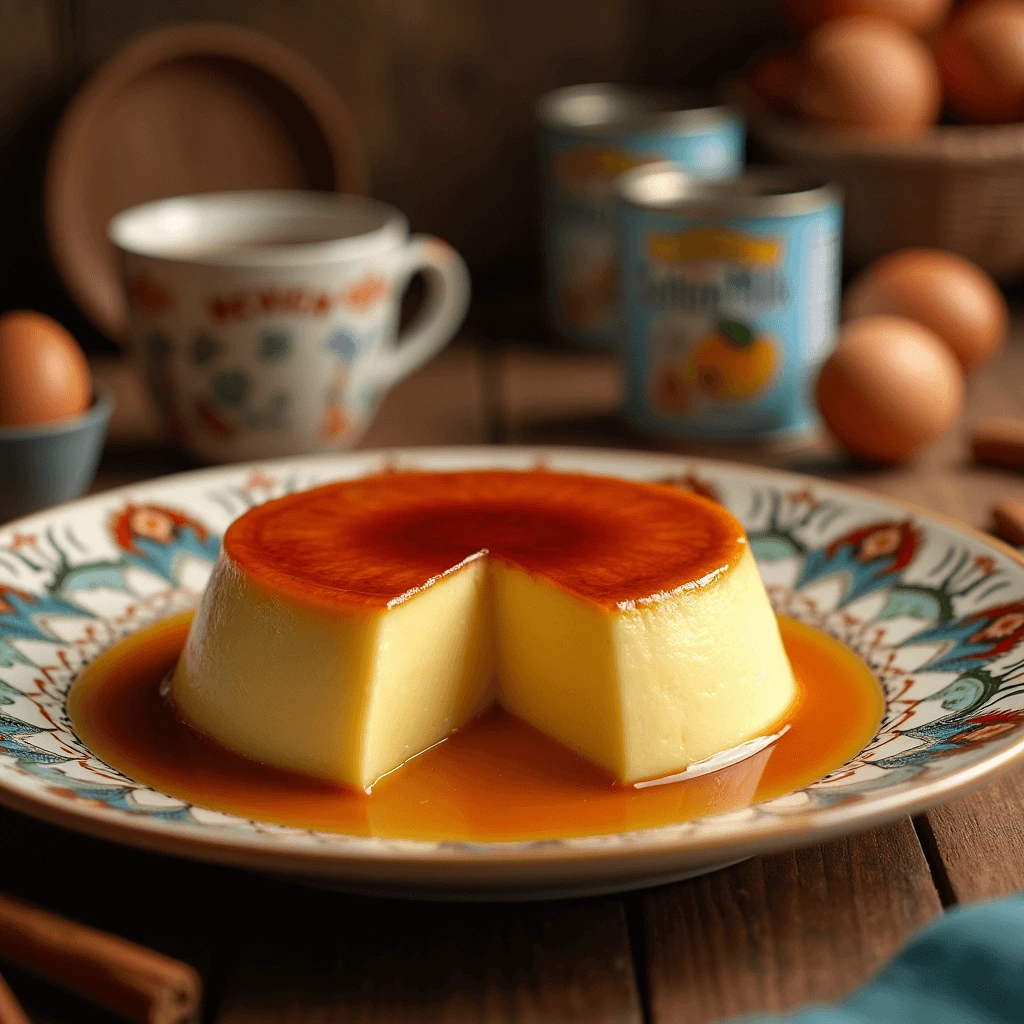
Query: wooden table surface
767	934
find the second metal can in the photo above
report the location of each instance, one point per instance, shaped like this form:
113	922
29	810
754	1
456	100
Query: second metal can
590	134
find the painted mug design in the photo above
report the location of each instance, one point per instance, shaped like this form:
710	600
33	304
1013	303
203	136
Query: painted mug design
337	419
233	341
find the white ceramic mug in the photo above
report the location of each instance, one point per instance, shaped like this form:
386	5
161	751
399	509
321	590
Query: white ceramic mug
267	322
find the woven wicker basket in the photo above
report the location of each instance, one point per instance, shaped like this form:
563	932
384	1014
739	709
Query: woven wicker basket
959	187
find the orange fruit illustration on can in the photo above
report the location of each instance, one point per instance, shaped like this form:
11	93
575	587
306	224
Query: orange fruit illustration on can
732	363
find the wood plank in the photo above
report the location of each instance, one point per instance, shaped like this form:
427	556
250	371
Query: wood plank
135	419
777	932
552	396
175	906
444	402
979	840
315	956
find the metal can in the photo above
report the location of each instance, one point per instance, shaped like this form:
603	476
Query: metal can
731	300
589	135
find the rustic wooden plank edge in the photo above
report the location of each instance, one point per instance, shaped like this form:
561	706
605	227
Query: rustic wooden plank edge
636	931
496	428
780	931
933	855
566	961
215	981
979	839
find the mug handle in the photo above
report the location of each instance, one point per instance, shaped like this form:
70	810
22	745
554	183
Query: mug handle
447	299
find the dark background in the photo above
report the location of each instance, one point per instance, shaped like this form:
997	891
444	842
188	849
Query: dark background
442	90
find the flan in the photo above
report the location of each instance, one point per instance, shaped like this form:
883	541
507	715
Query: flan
348	628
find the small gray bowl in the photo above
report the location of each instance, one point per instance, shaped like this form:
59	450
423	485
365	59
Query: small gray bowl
46	463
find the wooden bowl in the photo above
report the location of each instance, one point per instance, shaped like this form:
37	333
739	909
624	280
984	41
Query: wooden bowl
196	108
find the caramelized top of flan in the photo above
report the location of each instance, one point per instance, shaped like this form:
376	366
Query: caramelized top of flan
371	542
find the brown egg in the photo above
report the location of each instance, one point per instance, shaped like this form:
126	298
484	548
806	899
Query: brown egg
981	60
43	373
890	388
868	76
773	78
917	15
951	296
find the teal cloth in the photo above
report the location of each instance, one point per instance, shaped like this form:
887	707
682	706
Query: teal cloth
965	968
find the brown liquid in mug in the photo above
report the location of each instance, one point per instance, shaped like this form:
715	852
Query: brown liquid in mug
496	779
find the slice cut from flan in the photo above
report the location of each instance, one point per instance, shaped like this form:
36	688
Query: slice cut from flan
348	628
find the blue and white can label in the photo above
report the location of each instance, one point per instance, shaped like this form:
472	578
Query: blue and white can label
731	298
590	135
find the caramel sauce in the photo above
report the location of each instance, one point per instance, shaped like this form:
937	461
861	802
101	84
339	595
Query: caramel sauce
497	779
362	543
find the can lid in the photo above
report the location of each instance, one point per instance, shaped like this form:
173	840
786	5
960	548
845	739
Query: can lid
598	108
760	191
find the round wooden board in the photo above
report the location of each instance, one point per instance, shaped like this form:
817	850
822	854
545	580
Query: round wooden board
196	108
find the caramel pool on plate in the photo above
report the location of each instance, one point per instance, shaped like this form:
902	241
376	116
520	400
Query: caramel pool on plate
497	779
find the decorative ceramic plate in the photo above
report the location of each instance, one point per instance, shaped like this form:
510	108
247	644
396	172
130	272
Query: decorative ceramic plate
935	610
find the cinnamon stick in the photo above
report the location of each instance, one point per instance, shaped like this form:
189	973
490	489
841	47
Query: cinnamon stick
998	442
1008	521
138	983
10	1009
